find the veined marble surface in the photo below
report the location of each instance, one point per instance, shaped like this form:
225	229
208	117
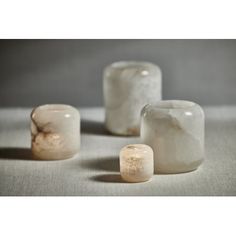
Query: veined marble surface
127	87
175	131
95	171
55	131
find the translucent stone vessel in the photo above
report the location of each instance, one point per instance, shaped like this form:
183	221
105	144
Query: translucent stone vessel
136	163
127	87
55	132
175	131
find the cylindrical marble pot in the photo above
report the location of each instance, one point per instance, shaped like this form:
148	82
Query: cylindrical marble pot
127	87
55	132
175	131
136	163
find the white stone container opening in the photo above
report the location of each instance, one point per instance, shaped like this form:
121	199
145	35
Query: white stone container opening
127	87
175	131
55	132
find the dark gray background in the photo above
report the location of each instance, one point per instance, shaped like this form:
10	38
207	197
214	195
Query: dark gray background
34	72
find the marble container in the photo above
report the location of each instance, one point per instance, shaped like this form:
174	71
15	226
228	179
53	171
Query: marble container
136	163
175	131
55	132
127	87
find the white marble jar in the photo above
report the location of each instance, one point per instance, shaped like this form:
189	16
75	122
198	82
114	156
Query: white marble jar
175	131
55	132
127	87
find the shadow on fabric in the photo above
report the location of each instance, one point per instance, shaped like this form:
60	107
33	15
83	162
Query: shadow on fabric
93	127
16	153
111	178
107	164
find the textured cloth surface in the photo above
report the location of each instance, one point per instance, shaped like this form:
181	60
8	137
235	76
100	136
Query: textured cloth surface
95	171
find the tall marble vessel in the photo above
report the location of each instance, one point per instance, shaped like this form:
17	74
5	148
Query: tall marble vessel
127	87
175	131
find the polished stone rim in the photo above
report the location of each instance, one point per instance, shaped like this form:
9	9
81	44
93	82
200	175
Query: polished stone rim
171	105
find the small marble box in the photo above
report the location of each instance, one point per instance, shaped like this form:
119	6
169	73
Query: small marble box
136	163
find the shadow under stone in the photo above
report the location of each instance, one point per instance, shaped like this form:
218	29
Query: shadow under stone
93	127
107	164
111	178
15	153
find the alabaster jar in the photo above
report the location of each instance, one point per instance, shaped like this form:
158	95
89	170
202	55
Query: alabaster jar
136	163
55	132
175	131
127	87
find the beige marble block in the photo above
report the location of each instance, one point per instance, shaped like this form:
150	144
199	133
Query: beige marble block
136	163
55	132
175	131
127	87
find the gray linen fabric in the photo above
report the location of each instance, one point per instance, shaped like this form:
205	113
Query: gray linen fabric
95	171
